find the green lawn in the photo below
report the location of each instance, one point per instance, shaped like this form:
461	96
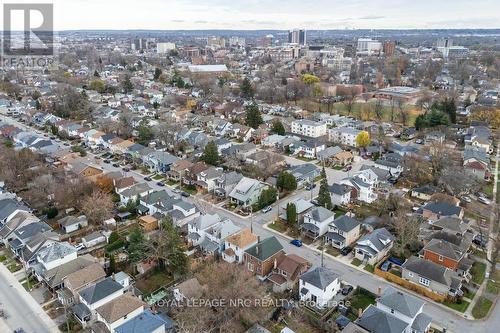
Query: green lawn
279	227
460	307
493	287
158	177
360	300
153	282
469	294
14	267
478	270
189	189
356	262
332	251
3	258
370	268
481	308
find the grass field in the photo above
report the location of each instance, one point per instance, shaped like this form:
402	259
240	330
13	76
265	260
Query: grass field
478	270
460	307
481	308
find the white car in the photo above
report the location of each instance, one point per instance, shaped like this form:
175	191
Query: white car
79	246
267	209
484	200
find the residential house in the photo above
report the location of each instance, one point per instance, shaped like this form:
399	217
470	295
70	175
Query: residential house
372	247
391	162
134	192
147	322
72	223
191	174
335	156
260	258
235	245
319	286
308	149
9	208
305	174
340	194
345	136
94	239
342	232
246	193
148	223
226	183
206	179
436	278
435	210
286	272
18	220
159	161
119	311
450	251
302	207
178	170
424	192
317	221
75	281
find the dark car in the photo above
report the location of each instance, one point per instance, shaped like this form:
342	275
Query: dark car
160	184
116	165
296	242
346	250
348	168
126	169
148	179
346	290
185	194
107	161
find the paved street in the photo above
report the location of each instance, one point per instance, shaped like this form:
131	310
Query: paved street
22	310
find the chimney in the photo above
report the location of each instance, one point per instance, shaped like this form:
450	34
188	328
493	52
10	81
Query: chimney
360	312
379	291
113	277
257	246
275	263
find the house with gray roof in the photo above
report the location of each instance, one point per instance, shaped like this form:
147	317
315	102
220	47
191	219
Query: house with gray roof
340	194
20	219
316	222
72	223
319	285
372	247
9	207
302	207
342	232
436	278
305	173
159	161
261	258
226	183
247	192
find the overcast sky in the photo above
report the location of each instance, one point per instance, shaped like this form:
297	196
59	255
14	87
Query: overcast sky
273	14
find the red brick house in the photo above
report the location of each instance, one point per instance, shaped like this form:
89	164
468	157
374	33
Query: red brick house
260	259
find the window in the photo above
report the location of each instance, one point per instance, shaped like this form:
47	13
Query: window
314	298
424	281
250	267
392	311
440	258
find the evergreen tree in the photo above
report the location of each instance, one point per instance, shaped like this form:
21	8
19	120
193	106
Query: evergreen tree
286	181
96	74
278	128
253	116
127	85
145	132
266	198
158	73
291	215
137	245
324	198
246	88
211	154
112	264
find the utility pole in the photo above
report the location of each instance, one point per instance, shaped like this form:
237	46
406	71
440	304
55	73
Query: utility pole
322	252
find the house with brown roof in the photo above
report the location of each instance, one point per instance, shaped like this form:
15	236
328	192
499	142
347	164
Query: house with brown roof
287	271
83	169
119	311
148	223
178	170
123	183
235	245
78	280
191	175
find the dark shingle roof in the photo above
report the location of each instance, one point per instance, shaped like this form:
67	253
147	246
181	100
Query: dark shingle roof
401	302
378	321
345	223
265	249
100	290
319	277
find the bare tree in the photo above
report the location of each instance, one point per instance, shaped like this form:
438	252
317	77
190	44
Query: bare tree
378	109
97	207
349	99
407	229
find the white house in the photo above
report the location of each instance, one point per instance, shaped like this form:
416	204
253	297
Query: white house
343	135
55	254
316	222
319	285
340	194
374	246
235	245
309	128
93	239
119	311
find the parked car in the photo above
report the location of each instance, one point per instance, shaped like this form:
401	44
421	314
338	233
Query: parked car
148	179
419	141
348	168
480	240
116	165
310	186
346	290
185	194
160	184
267	209
126	169
346	250
79	246
466	199
296	242
107	161
484	200
315	202
176	190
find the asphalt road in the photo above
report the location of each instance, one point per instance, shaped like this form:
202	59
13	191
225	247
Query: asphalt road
22	309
